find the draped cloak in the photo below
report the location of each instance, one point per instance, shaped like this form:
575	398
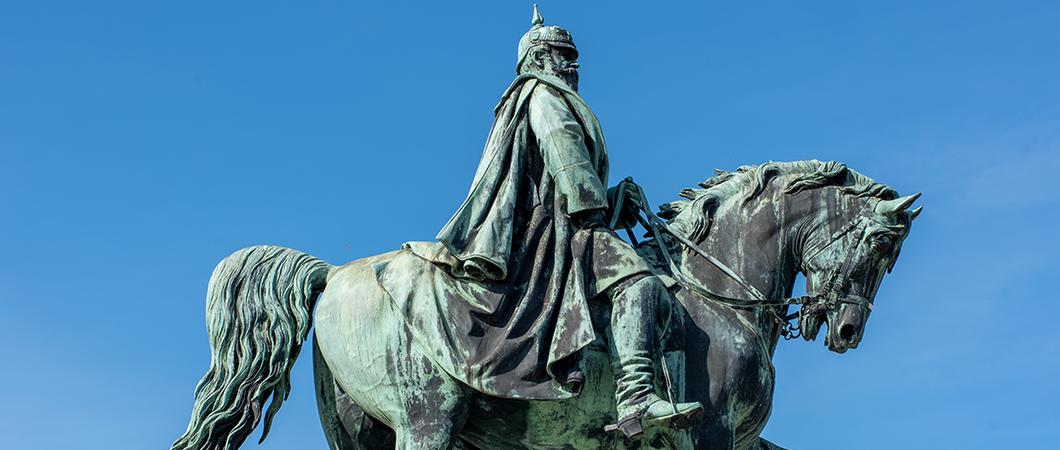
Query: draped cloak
500	301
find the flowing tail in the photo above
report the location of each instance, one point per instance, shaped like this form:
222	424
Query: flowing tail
258	311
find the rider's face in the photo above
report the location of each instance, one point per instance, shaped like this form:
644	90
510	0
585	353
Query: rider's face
561	62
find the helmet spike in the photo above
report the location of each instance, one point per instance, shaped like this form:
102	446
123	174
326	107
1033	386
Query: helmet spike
537	21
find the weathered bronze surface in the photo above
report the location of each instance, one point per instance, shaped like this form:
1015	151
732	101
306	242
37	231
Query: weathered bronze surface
530	325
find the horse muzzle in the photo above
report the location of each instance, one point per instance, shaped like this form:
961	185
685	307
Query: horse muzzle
848	326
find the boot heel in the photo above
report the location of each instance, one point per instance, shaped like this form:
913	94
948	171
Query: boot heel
630	428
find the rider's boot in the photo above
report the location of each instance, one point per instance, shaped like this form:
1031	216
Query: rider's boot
632	345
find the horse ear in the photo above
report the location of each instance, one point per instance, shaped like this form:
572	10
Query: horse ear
885	207
915	212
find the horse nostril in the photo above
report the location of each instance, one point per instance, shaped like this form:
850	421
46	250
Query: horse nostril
846	332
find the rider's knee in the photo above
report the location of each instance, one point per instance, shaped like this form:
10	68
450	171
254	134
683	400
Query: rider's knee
639	287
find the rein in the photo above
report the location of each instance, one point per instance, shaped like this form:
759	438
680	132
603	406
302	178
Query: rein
811	305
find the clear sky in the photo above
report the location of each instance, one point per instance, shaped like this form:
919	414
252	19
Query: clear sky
141	142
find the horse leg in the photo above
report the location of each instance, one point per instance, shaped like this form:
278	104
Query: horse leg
425	408
434	430
375	360
716	433
346	425
435	405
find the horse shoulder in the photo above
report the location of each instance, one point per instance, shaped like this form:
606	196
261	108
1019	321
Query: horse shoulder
722	343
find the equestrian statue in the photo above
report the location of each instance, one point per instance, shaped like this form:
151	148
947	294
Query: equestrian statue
530	324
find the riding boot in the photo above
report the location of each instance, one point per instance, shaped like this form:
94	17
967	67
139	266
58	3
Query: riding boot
633	352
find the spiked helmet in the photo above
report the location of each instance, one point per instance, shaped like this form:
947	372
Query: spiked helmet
540	35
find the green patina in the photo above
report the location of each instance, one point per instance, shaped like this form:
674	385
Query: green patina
529	324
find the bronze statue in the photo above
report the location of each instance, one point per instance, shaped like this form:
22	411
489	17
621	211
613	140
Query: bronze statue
529	324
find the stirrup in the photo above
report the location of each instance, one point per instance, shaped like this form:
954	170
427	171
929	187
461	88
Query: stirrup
633	426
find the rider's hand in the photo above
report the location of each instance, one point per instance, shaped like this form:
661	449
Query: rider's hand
631	201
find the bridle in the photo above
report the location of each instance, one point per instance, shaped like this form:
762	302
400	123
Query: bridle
829	299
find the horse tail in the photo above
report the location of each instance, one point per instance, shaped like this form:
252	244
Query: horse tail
258	311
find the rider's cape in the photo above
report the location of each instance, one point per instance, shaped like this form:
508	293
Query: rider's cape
500	302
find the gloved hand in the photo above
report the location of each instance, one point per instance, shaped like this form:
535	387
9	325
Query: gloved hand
631	201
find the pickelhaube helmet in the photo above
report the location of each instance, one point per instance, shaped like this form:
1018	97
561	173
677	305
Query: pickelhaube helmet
540	35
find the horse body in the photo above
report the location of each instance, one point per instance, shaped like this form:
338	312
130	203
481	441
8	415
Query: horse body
722	357
375	361
839	228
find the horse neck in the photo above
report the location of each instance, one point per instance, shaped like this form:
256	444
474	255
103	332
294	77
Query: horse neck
757	239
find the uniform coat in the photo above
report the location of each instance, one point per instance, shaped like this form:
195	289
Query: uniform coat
501	300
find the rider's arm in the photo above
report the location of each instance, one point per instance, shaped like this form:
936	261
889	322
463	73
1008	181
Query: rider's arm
564	151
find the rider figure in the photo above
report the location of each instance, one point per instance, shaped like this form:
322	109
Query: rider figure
566	201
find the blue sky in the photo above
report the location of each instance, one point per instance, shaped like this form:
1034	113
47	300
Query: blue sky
141	142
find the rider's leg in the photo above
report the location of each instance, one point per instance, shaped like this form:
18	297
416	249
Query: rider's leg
633	348
632	343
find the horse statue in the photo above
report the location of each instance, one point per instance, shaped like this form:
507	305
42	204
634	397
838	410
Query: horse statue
731	253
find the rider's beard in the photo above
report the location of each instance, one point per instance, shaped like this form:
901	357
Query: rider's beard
568	75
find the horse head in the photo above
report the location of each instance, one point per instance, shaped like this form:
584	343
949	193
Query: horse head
840	229
845	257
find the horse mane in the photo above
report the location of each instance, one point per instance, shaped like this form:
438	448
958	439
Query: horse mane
748	182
